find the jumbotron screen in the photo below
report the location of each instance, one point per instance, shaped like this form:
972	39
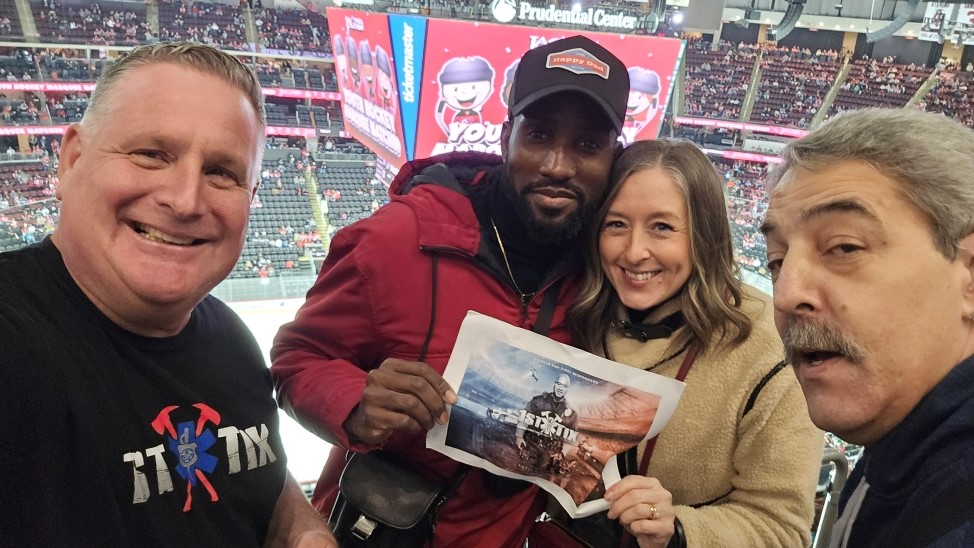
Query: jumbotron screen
414	87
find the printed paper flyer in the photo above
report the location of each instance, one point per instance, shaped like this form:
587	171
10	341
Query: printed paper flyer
534	409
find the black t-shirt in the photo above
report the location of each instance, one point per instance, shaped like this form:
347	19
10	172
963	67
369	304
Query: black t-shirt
108	438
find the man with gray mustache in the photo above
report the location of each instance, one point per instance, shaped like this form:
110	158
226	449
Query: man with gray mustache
870	231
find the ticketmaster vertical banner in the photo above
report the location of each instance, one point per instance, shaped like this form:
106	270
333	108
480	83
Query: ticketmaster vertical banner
367	80
408	35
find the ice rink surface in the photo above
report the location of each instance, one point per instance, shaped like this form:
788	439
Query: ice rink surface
306	453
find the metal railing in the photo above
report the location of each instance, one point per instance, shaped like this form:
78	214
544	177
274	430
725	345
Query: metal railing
838	466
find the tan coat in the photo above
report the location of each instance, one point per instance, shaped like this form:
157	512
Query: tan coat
737	480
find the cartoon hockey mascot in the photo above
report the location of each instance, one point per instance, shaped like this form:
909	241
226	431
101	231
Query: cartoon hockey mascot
367	70
465	85
508	82
644	93
341	60
384	88
351	50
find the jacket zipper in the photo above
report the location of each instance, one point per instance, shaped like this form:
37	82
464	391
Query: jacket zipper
523	299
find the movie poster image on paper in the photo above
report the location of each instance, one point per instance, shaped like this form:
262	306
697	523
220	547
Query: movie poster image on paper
541	418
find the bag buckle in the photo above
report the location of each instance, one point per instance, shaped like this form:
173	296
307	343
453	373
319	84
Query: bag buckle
363	527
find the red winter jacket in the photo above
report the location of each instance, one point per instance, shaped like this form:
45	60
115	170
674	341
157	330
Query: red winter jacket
374	300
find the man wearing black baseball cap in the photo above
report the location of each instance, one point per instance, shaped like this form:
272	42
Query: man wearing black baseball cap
362	362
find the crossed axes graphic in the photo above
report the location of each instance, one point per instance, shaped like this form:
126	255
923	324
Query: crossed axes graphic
162	423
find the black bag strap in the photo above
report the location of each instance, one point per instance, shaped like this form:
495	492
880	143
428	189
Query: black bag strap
547	311
753	398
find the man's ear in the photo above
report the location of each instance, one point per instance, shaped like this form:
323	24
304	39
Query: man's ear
505	137
965	256
70	153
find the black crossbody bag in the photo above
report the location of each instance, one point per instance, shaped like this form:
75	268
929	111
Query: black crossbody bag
384	504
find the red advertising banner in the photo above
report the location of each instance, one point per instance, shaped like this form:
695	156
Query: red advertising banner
367	80
468	68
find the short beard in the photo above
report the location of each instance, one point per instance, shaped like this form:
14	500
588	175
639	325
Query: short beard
810	335
544	231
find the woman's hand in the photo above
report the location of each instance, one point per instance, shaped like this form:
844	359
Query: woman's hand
644	508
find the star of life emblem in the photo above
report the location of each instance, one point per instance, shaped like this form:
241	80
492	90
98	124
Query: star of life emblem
549	422
187	450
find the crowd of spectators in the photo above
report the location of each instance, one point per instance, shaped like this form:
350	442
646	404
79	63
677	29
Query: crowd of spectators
69	65
349	193
885	84
25	182
20	109
952	95
66	108
17	64
747	203
281	223
296	75
341	145
794	81
717	80
26	224
92	24
10	23
292	31
27	209
118	23
704	136
215	24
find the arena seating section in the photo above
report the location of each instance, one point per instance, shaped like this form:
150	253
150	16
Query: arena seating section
875	84
716	79
281	223
218	24
793	85
349	193
27	210
292	30
100	23
10	23
747	202
953	95
789	92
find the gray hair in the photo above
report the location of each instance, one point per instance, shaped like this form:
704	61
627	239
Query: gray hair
203	58
929	156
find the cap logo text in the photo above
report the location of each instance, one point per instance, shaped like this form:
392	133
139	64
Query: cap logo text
579	61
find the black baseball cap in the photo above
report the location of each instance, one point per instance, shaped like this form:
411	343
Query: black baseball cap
577	64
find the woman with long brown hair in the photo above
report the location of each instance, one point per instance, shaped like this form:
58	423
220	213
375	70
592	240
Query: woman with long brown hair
738	462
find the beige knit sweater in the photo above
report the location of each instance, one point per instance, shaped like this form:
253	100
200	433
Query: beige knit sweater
737	480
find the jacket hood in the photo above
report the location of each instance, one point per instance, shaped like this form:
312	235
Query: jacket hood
436	190
409	175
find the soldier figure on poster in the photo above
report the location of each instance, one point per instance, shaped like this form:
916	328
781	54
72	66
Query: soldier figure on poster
546	424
